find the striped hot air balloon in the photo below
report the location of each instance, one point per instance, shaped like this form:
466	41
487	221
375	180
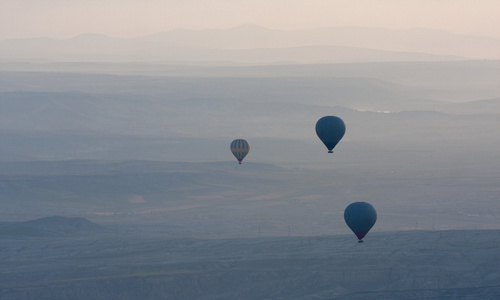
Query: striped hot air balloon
330	130
360	217
240	148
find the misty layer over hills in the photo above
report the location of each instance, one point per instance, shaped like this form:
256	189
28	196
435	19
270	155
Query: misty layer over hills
408	128
419	116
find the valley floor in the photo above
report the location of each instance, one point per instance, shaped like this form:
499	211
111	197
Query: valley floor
388	265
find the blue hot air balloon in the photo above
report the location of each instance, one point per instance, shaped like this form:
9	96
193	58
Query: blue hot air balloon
240	148
360	217
330	130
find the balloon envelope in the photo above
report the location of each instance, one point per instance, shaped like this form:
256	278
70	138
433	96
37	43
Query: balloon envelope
240	148
330	130
360	217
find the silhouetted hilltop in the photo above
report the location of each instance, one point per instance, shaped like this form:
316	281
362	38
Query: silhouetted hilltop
51	226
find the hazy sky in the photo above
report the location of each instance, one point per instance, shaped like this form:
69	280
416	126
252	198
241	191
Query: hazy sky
67	18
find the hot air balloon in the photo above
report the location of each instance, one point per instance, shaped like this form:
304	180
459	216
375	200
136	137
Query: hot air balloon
360	217
240	149
330	130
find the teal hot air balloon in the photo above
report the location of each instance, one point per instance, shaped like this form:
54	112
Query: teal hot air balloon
330	130
240	148
360	217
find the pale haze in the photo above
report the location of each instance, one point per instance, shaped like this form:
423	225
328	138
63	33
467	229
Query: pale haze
129	18
122	173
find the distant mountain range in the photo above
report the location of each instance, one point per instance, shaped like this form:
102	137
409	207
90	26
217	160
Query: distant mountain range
249	44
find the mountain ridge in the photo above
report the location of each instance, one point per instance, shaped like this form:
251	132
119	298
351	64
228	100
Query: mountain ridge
261	46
